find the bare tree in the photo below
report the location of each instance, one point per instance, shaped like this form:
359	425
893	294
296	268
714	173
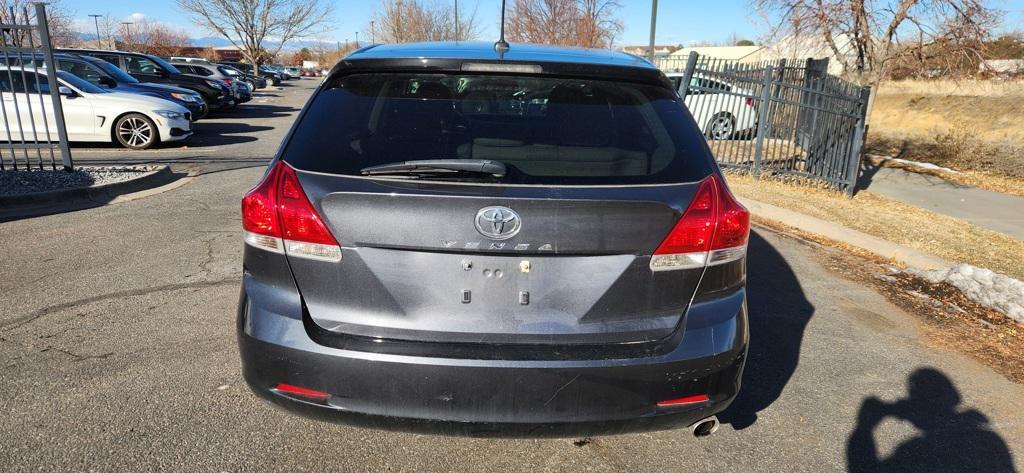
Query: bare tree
250	25
405	21
868	36
154	38
587	23
62	30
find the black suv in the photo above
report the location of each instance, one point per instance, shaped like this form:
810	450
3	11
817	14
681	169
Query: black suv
272	77
463	241
149	68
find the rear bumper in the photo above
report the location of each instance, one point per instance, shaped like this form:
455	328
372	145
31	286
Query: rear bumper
494	397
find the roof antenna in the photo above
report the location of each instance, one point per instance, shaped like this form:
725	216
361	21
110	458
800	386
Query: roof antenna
501	47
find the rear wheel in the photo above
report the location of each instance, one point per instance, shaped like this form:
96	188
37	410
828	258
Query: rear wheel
136	131
721	127
251	84
274	81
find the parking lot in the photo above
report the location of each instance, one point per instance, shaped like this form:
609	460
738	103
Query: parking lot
117	335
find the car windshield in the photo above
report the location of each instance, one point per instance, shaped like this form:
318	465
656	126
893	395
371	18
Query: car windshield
547	130
80	84
164	64
116	72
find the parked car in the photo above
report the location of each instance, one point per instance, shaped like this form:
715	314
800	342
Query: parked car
255	82
91	113
534	242
293	72
152	69
239	89
273	77
103	74
722	110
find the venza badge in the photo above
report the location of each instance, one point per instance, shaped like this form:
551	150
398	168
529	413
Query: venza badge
498	223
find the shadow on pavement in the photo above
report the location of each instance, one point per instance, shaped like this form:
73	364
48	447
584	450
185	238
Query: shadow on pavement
950	439
252	110
779	313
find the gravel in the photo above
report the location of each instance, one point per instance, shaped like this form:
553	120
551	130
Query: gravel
26	182
983	286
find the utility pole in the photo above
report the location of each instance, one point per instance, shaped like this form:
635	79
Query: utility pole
96	21
654	24
373	33
456	20
357	40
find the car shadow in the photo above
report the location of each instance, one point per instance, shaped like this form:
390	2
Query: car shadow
252	110
222	133
779	313
950	439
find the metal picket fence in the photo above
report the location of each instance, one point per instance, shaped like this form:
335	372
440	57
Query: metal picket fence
782	117
33	133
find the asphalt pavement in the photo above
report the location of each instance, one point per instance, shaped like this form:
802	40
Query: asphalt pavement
117	341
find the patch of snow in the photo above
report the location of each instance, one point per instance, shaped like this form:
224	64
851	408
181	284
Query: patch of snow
919	164
984	286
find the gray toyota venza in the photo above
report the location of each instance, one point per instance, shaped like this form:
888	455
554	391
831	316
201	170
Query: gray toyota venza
458	240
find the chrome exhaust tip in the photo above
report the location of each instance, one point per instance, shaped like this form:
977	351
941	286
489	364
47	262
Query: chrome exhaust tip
704	427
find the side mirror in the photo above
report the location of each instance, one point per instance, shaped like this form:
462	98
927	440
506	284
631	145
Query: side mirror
66	91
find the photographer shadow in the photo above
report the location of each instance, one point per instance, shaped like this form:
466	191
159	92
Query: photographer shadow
950	439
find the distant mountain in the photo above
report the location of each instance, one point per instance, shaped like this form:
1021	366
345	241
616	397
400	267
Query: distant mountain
218	42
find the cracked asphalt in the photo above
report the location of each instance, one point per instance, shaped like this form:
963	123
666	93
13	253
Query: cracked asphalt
118	353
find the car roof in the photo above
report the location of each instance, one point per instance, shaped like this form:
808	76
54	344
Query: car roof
518	52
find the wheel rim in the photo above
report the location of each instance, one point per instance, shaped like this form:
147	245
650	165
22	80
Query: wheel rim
721	128
135	132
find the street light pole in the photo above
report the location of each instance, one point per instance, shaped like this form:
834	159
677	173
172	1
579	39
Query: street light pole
654	23
127	30
373	33
96	21
456	20
357	40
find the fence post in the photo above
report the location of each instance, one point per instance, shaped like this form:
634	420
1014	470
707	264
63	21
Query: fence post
859	135
43	25
691	64
762	118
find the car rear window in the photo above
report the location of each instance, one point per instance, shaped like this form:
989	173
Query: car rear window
547	130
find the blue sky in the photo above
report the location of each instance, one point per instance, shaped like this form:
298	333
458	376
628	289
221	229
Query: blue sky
679	21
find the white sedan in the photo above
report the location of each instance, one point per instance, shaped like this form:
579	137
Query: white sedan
721	110
90	113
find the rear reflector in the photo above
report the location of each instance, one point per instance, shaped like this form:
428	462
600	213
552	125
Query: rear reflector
684	401
277	216
302	393
713	230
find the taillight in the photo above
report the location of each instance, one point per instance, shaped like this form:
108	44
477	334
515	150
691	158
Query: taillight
749	101
713	230
227	80
277	216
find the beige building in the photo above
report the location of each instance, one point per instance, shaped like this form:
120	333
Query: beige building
742	54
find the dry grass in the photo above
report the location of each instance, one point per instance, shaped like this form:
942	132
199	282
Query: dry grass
968	125
940	235
981	180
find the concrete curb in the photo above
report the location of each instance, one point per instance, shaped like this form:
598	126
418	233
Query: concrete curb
65	200
159	176
883	248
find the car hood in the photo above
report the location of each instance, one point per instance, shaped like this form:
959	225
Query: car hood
163	88
140	102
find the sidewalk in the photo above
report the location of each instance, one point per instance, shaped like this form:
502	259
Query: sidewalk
987	209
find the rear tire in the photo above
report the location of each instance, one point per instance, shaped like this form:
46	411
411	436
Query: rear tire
136	131
721	127
274	82
251	84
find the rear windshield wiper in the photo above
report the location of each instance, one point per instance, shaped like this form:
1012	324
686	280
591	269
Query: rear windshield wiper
438	166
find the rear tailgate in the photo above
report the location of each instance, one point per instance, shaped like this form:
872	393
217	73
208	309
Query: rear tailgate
415	266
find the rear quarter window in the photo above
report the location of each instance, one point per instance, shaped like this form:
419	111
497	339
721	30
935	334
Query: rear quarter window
547	130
